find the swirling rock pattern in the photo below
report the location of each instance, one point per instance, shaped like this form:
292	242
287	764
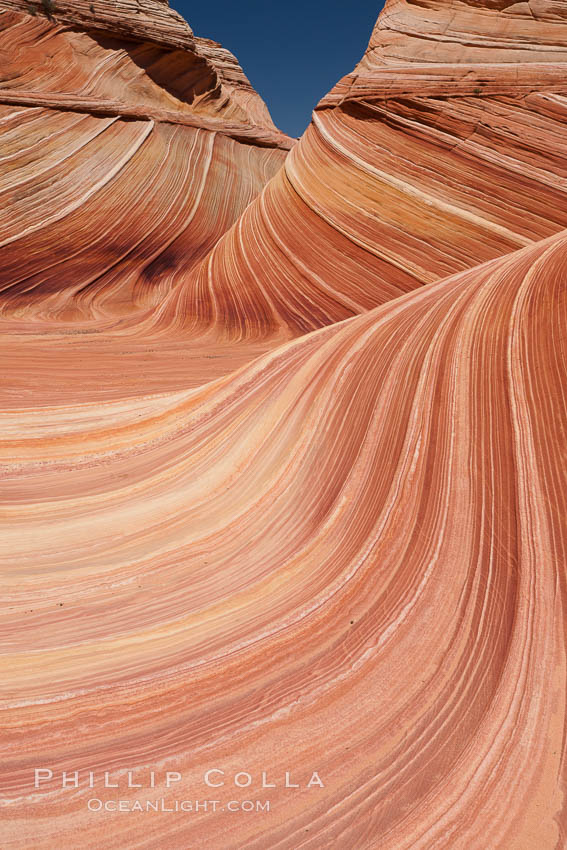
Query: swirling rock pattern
124	161
410	171
283	469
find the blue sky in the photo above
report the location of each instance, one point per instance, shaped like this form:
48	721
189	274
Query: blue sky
293	52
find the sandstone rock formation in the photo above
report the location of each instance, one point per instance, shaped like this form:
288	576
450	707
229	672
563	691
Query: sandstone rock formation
446	147
283	469
91	116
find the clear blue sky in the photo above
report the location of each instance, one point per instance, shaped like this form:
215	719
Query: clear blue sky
293	51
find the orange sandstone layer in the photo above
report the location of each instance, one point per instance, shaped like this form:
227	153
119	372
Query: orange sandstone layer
348	557
120	163
128	53
412	169
128	147
282	439
444	148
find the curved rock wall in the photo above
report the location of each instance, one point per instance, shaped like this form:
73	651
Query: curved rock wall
432	156
282	440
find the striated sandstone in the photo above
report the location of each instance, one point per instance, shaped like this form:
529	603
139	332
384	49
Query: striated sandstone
350	555
116	153
282	436
102	64
444	148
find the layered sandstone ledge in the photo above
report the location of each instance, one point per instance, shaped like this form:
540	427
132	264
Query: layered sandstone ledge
127	59
141	20
121	132
460	48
